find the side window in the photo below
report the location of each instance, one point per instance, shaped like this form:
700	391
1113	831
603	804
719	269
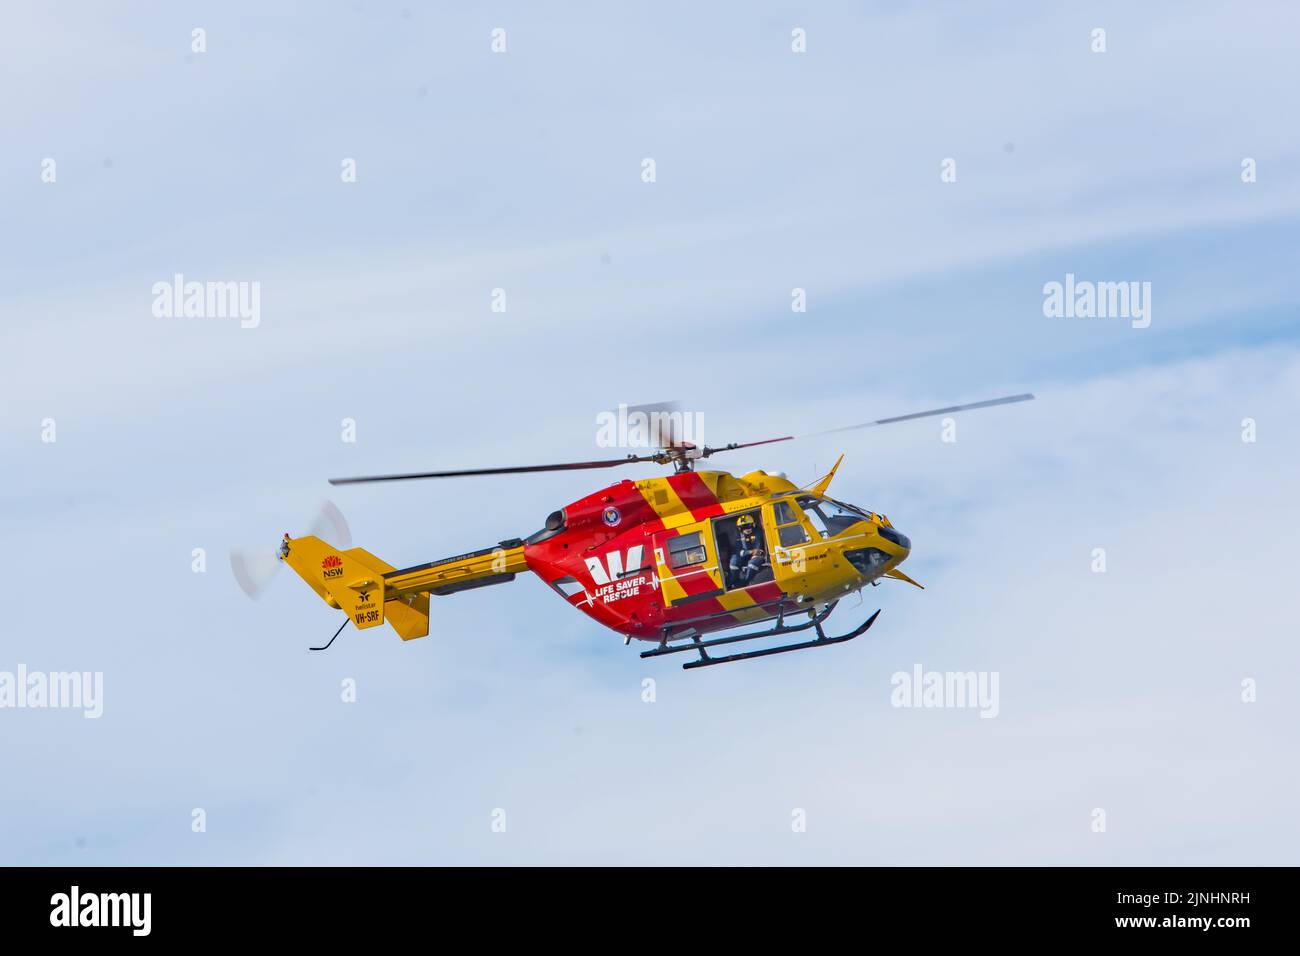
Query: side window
784	513
567	586
685	550
792	535
789	532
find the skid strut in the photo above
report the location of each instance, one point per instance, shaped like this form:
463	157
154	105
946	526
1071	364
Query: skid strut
781	628
704	660
821	641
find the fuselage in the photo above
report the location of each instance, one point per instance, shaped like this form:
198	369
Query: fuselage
705	551
656	559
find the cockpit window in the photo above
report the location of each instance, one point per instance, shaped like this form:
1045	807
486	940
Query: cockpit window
830	517
851	509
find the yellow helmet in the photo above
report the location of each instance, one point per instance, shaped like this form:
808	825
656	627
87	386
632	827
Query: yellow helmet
745	523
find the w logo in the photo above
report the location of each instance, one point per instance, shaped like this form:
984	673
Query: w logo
613	567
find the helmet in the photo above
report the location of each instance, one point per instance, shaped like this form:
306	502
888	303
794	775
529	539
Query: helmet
745	524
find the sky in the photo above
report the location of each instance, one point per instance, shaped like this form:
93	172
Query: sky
1156	691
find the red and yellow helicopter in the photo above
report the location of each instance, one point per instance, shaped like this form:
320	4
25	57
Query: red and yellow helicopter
671	560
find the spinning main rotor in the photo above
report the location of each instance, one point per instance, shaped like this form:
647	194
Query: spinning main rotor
682	455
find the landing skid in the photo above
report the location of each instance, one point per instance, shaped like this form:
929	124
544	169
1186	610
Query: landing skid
704	660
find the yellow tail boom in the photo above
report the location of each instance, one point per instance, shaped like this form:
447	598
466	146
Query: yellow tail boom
371	591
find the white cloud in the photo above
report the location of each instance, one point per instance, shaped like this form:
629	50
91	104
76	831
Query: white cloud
1118	690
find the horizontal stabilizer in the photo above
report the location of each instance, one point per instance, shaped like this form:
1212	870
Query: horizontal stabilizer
407	613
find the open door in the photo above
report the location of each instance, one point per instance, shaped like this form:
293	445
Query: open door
744	555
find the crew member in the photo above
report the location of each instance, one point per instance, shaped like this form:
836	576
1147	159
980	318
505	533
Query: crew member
748	557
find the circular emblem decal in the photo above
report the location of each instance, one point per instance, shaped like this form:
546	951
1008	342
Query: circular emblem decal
611	516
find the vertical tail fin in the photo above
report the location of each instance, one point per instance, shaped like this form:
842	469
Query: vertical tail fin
353	580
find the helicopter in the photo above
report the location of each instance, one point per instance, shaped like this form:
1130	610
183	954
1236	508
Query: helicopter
675	560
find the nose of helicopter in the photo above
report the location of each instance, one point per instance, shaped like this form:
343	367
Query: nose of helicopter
871	561
895	538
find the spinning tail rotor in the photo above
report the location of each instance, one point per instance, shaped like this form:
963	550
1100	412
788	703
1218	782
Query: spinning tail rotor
255	568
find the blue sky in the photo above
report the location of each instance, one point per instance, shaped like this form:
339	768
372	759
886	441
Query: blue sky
774	171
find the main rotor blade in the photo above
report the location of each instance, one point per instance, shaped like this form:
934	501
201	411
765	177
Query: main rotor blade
1007	400
750	444
664	457
513	470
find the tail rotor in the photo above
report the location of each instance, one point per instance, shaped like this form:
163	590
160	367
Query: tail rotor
255	568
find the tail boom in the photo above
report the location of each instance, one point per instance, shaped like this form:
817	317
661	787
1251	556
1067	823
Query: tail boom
370	591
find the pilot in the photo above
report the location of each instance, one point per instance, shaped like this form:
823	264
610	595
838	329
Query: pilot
748	557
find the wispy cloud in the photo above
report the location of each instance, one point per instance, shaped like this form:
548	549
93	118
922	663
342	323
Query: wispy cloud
1119	690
